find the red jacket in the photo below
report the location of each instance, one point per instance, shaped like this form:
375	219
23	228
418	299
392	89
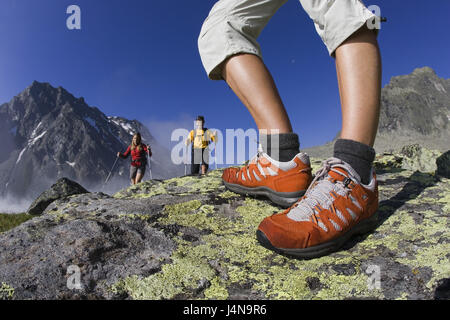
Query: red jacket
138	158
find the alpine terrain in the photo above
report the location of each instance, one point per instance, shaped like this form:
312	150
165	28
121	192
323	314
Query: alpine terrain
47	133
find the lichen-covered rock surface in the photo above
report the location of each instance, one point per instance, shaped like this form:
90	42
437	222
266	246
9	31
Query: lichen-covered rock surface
190	238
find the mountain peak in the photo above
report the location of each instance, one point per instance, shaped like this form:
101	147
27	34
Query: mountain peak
37	86
416	105
48	97
36	83
40	87
424	70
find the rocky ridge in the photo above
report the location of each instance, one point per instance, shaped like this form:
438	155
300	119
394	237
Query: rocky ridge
415	108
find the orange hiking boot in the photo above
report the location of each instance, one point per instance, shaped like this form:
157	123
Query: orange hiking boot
282	182
335	207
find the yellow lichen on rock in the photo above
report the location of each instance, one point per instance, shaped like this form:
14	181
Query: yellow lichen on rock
6	292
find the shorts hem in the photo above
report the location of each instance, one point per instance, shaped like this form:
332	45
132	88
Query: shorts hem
216	71
344	36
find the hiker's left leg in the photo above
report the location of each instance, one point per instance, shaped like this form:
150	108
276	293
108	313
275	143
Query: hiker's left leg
344	29
138	178
140	173
341	200
358	66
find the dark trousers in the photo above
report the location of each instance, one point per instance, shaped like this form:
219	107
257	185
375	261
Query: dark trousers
199	157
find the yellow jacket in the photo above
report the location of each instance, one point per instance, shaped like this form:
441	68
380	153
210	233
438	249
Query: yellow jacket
201	138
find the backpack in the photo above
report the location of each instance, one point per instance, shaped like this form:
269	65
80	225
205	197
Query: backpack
199	139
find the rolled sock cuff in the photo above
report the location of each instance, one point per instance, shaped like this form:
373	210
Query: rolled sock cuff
358	155
281	147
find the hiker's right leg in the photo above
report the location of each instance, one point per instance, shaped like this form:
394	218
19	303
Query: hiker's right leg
251	81
230	51
195	164
195	168
133	171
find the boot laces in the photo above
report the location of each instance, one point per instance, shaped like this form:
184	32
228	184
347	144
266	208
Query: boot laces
253	160
321	188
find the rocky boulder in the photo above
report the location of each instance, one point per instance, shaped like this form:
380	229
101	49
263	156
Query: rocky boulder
415	157
190	238
443	165
62	188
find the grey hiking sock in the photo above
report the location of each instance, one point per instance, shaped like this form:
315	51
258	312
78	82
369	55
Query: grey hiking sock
281	147
358	155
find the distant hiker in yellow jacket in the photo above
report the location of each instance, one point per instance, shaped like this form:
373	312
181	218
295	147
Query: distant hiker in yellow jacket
200	138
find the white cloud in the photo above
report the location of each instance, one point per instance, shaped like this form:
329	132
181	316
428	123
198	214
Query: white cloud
14	205
162	130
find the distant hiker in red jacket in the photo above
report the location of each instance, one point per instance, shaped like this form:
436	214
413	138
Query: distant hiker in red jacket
138	152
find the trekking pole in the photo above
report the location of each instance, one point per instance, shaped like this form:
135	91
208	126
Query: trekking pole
150	167
215	160
185	161
107	178
215	155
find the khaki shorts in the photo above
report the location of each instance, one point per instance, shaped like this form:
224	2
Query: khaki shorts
135	170
233	26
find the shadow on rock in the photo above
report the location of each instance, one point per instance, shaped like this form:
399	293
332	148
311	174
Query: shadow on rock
443	290
417	183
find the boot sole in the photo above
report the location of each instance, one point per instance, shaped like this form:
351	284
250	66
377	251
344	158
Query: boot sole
283	199
322	249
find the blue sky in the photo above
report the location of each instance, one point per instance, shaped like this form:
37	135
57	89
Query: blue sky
139	59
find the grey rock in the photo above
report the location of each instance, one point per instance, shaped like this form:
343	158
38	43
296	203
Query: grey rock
418	158
443	165
93	234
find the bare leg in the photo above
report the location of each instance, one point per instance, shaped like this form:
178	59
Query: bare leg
132	181
203	169
358	66
250	80
138	178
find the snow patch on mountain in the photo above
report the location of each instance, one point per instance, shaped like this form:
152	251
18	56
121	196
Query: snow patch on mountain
20	155
33	141
33	134
126	126
72	164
